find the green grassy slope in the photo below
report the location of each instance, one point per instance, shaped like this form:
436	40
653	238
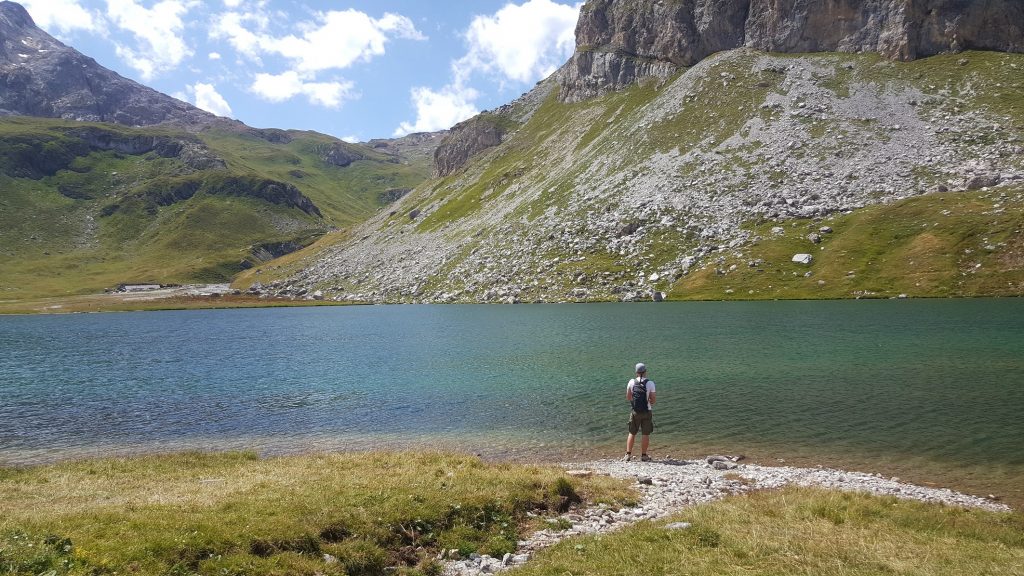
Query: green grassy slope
75	218
938	245
546	215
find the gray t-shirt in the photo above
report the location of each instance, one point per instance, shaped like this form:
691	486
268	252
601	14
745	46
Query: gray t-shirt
650	390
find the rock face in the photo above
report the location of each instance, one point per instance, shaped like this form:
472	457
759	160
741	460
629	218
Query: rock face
619	43
465	140
40	76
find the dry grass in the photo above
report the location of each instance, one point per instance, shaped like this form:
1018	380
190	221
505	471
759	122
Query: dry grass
238	514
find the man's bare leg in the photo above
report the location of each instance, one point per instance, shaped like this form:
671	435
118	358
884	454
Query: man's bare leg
629	443
645	441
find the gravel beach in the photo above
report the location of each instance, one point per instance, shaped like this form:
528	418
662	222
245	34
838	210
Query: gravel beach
668	486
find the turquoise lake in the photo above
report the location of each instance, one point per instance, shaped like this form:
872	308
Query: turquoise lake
889	385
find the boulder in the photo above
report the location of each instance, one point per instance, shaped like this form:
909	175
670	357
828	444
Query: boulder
983	181
802	258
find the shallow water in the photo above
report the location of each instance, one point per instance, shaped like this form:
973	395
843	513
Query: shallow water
926	381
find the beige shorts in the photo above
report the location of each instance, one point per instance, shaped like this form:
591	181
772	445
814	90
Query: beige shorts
641	422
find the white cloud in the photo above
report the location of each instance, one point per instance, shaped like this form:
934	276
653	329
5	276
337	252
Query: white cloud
207	98
214	56
232	27
351	139
157	31
521	43
524	42
343	38
285	86
338	39
439	110
62	16
232	3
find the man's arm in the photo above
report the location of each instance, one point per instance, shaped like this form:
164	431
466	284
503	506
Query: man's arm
650	398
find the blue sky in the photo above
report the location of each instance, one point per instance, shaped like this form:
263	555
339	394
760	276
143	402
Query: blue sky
356	69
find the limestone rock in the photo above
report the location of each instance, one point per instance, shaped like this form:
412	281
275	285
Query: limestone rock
619	43
465	140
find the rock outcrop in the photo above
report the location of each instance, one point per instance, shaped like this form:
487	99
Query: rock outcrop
465	140
338	154
40	76
619	43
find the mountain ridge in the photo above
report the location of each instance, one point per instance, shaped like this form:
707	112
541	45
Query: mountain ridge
643	191
40	76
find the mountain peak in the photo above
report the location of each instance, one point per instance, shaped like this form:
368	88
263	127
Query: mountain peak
14	15
40	76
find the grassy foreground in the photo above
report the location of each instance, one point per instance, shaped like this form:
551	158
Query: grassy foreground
234	513
802	531
377	513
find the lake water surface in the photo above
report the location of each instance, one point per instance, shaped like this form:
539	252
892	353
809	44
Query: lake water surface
897	386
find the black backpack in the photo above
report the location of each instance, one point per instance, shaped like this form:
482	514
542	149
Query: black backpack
639	401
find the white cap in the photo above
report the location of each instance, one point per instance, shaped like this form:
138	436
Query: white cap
640	368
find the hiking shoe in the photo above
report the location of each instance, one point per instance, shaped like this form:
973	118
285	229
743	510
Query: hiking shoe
645	458
627	457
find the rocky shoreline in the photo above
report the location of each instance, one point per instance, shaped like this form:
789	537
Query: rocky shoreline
669	486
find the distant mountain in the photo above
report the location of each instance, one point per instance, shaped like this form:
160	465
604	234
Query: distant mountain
104	181
692	149
40	76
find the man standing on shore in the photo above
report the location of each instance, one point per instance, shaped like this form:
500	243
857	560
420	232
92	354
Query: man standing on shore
640	395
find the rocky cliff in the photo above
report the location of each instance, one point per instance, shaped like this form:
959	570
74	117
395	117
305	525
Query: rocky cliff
620	42
40	76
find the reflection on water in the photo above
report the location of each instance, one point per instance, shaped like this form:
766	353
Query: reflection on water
928	381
